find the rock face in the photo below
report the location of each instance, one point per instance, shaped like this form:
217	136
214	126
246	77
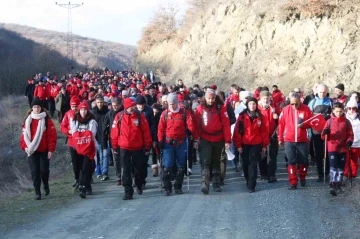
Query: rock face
265	42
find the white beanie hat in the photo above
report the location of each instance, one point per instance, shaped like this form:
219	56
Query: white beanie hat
244	95
172	98
352	103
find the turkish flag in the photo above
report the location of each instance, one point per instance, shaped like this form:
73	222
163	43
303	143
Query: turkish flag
317	122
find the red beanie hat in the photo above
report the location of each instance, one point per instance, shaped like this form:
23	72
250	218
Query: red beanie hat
74	100
113	87
213	86
128	102
83	105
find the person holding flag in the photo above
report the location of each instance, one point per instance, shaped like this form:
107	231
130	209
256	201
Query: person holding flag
293	136
321	104
339	136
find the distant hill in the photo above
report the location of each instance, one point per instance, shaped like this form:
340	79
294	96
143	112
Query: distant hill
25	51
92	53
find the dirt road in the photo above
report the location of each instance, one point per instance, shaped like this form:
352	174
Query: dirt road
272	212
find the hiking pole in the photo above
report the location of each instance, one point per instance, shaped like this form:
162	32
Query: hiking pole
325	152
161	169
348	165
187	164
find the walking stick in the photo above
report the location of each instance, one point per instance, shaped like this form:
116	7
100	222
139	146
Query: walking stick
348	166
161	169
187	164
325	152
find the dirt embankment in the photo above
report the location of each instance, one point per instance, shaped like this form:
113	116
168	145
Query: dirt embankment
264	42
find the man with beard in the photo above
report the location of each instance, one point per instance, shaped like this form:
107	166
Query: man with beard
339	94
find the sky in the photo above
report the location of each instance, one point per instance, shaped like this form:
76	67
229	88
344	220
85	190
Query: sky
110	20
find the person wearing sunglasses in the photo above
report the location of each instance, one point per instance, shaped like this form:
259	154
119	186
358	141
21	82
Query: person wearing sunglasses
293	136
353	116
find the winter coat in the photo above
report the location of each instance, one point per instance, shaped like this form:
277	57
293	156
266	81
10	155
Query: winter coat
48	138
101	138
253	131
288	121
355	123
41	91
278	97
130	133
340	132
62	102
231	114
173	125
342	99
211	125
109	119
65	126
29	90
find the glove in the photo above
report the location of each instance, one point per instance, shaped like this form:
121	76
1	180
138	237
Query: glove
326	131
161	145
349	143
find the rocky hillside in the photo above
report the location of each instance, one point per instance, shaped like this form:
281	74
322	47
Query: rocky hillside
264	42
88	52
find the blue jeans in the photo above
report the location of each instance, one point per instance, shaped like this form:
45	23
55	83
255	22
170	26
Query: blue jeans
235	161
102	163
174	153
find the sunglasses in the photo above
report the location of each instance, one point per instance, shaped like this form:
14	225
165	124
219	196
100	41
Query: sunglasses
295	104
352	108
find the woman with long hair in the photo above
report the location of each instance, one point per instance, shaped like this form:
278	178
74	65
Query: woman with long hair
38	140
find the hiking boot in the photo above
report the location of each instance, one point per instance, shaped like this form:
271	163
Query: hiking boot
167	193
46	189
272	180
105	178
139	190
264	178
119	182
82	193
333	189
127	197
89	191
204	189
303	183
92	180
217	189
292	187
37	196
221	182
178	191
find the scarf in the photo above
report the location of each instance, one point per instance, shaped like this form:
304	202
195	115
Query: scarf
34	144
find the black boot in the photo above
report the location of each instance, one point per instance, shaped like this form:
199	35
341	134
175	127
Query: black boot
127	197
179	179
166	177
205	175
82	190
333	186
216	180
37	196
46	189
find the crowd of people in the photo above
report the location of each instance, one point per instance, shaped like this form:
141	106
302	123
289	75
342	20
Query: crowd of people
122	119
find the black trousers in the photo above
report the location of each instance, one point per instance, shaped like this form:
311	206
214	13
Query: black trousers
133	159
30	99
39	167
117	164
250	156
297	153
273	152
86	169
51	105
319	152
75	163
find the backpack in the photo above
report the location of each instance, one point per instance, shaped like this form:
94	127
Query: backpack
183	115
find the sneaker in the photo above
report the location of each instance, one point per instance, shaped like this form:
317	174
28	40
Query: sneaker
127	197
99	176
105	178
82	193
303	183
292	187
89	191
179	191
119	182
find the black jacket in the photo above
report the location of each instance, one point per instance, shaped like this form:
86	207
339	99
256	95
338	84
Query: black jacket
29	90
149	115
100	120
109	119
231	114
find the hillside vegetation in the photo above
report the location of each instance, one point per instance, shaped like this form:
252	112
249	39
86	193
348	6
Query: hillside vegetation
25	51
258	42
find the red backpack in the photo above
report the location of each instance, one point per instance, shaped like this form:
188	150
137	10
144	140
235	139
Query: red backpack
85	143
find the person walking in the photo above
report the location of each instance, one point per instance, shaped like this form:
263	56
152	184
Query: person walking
38	140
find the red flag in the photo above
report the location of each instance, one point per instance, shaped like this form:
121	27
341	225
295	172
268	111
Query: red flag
317	122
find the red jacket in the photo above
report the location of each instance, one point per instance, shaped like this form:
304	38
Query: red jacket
130	134
288	121
340	132
41	92
268	117
256	132
342	99
174	127
65	126
48	139
211	125
232	100
278	97
54	90
73	90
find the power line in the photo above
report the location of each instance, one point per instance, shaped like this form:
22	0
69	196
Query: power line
69	38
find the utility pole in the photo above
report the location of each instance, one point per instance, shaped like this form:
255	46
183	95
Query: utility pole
69	39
